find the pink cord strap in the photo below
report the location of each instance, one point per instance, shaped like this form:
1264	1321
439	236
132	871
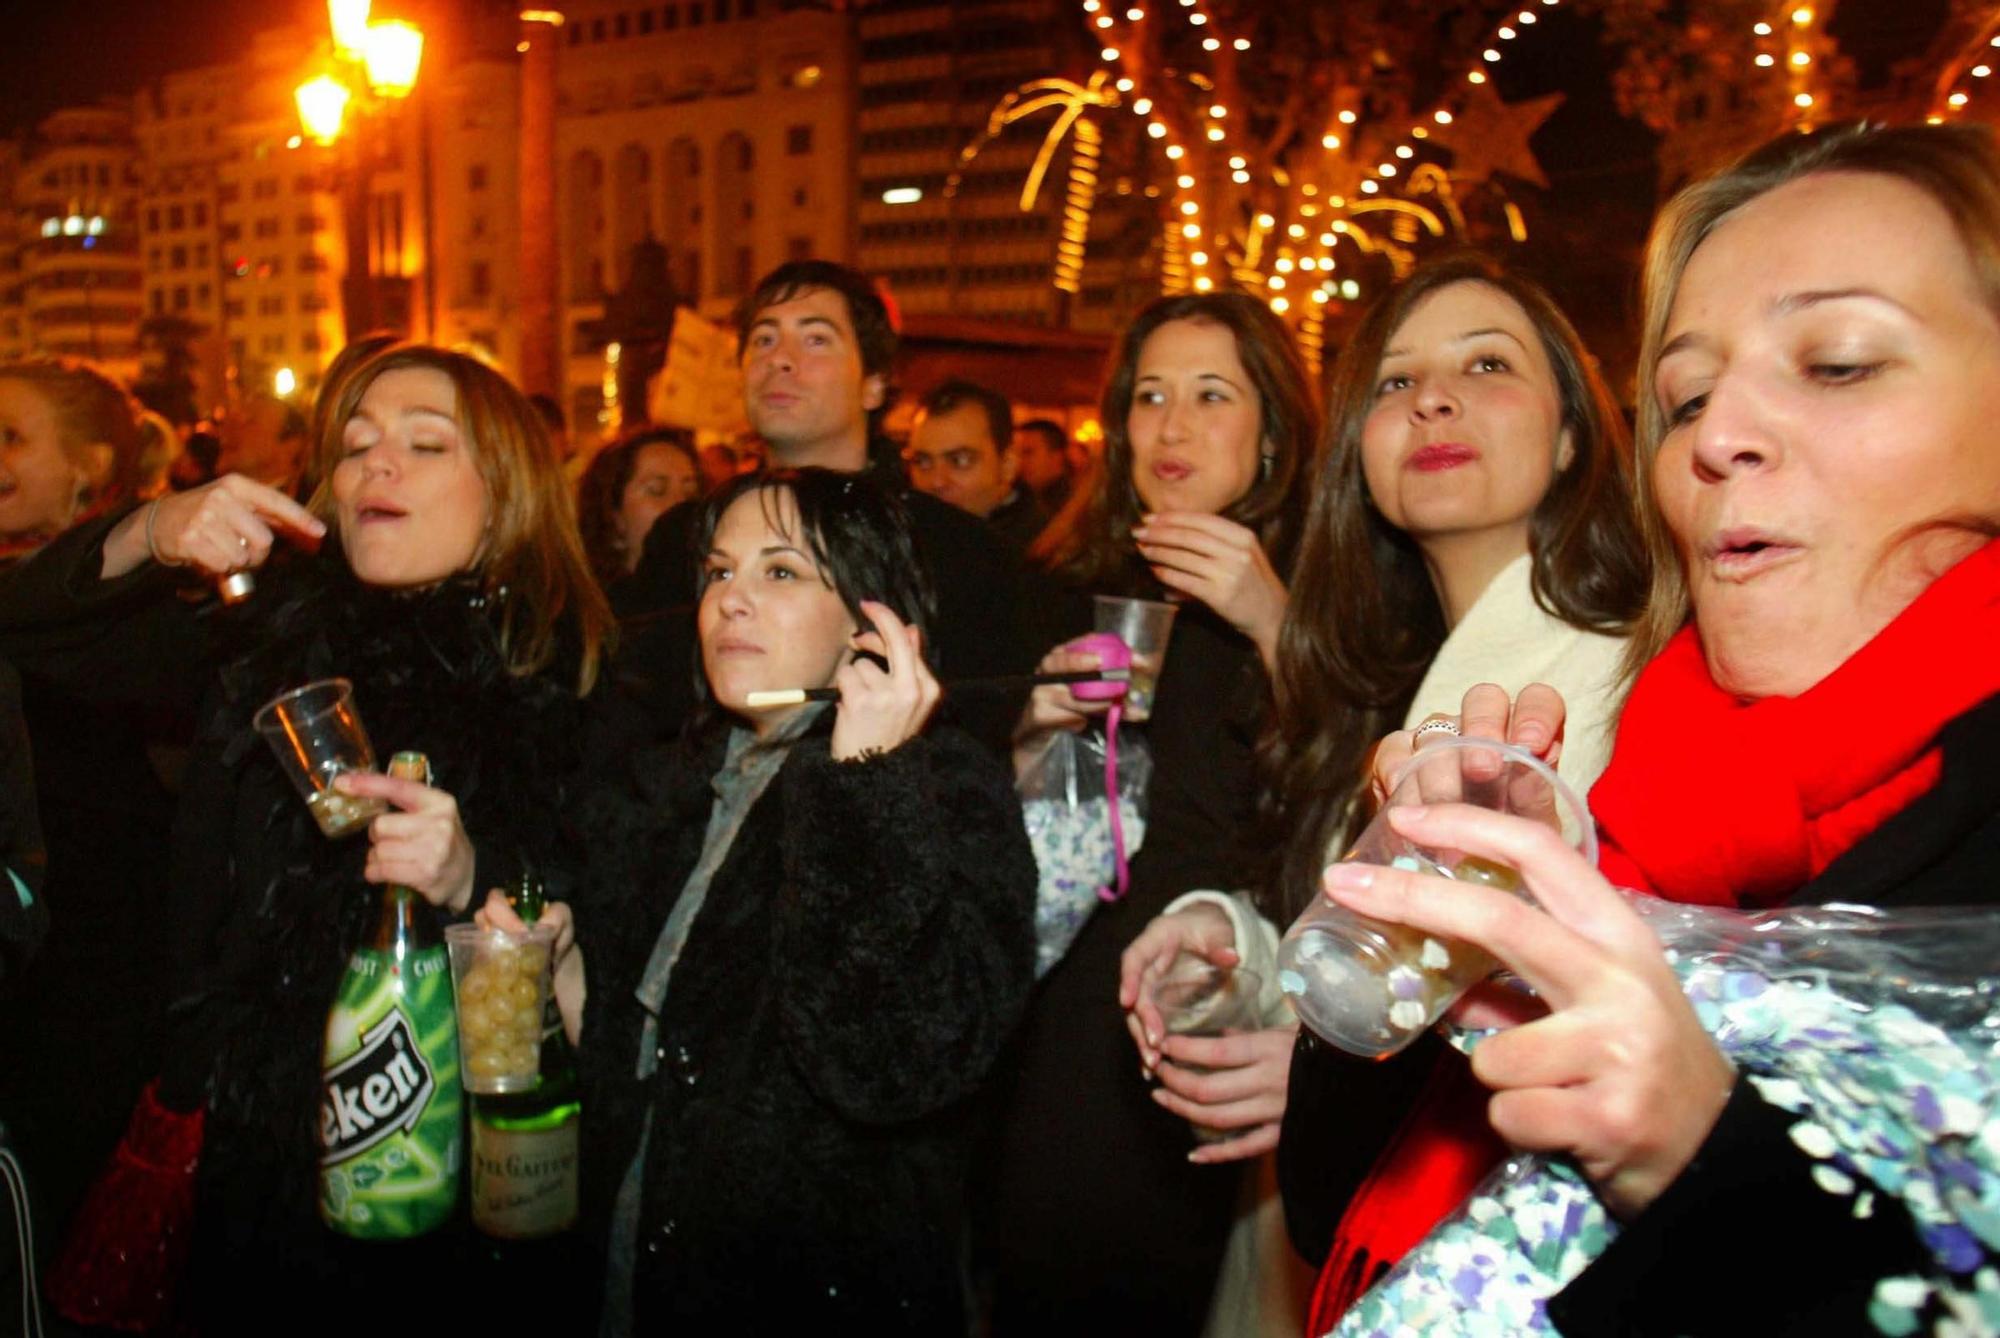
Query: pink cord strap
1124	879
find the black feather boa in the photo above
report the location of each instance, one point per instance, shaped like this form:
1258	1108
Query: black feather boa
269	910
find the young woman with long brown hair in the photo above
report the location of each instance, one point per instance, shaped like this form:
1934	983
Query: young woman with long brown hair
1209	420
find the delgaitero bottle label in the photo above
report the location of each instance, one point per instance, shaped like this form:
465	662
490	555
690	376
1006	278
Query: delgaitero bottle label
390	1108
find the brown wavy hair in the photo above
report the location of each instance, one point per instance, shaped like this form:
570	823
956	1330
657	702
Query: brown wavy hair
1364	621
1957	166
1090	540
532	562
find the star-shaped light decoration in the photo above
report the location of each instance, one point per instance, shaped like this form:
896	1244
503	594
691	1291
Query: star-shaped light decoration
1491	136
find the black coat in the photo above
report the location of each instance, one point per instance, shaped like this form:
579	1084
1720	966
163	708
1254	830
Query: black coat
1746	1207
1095	1220
264	912
858	962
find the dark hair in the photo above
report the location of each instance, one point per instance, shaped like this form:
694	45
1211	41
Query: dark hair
600	493
1956	166
956	393
1050	431
1364	622
874	332
531	562
1091	539
857	532
551	412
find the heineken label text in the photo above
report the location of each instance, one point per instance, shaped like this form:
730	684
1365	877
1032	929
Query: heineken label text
380	1089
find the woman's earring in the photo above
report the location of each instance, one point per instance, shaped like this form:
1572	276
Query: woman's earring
1266	465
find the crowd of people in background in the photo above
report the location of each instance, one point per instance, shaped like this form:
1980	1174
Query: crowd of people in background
824	1082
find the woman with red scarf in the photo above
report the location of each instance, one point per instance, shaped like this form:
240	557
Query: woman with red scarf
1820	374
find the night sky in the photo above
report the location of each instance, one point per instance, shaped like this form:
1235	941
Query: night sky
60	53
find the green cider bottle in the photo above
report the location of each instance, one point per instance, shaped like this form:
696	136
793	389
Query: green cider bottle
524	1144
391	1106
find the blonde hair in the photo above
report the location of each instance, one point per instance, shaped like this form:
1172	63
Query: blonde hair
1957	166
532	562
92	409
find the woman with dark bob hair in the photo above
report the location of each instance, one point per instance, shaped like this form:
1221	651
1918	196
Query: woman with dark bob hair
1209	421
451	590
809	931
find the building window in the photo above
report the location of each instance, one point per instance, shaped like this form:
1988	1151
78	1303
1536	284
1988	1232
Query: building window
152	220
645	21
274	344
799	140
670	18
799	197
201	256
722	11
159	300
746	9
597	30
309	223
799	248
695	14
179	257
267	227
482	280
311	262
176	218
202	293
576	34
227	193
265	189
271	306
201	215
181	298
621	26
475	177
309	342
314	301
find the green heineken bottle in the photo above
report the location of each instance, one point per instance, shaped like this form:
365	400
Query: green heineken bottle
524	1144
390	1106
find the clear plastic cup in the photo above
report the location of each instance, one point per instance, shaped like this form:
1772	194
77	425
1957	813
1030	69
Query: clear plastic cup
1198	998
1145	625
501	981
317	735
1371	988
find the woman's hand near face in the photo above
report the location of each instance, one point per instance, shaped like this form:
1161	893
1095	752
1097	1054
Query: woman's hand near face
1533	721
1221	564
421	846
565	958
1619	1073
879	712
1052	708
221	527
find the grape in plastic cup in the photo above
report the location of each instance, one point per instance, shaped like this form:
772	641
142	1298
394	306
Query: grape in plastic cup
317	735
1371	988
502	983
1145	625
1198	998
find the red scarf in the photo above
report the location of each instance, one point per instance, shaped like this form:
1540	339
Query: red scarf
1719	801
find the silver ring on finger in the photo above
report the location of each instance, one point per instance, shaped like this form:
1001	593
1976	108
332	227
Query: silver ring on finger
1435	725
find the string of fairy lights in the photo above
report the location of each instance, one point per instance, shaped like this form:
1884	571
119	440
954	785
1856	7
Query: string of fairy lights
1966	75
1287	248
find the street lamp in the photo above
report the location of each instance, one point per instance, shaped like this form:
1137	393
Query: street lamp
374	66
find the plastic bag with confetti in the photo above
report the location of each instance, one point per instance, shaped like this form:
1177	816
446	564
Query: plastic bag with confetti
1879	1030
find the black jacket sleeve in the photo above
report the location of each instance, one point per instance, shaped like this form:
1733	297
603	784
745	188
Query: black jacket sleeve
24	919
1746	1208
904	945
128	640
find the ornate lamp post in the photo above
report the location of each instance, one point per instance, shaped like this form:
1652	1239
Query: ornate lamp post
373	69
